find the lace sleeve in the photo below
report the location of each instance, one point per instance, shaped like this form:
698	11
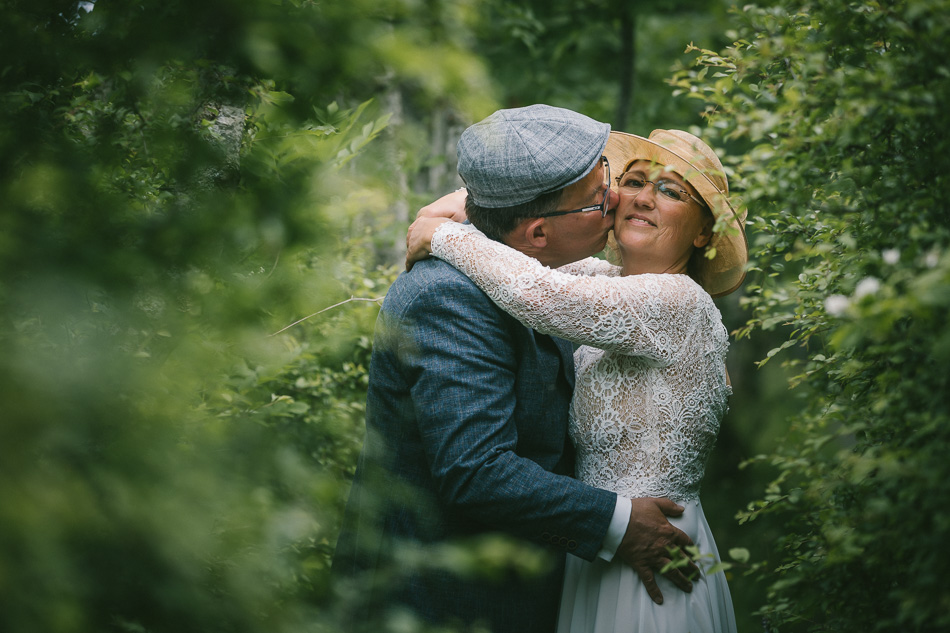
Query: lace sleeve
639	315
590	266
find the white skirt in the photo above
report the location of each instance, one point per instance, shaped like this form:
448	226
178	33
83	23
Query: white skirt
608	597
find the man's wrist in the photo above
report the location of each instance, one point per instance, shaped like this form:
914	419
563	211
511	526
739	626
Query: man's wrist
616	529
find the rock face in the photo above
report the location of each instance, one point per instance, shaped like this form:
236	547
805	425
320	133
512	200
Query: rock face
228	130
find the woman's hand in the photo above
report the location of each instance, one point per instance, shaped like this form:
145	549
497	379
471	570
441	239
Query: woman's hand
451	206
419	238
428	219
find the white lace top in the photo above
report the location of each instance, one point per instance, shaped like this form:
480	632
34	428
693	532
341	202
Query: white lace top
651	376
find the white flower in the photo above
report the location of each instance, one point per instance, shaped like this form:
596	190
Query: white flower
836	305
932	259
867	286
891	256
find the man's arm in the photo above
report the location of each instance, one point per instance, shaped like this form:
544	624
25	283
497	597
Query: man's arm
462	359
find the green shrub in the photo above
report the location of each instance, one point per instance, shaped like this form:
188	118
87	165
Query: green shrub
834	115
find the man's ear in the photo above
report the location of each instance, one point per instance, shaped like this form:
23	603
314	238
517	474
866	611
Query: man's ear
535	232
529	236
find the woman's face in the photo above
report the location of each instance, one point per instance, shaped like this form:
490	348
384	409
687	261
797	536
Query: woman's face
654	231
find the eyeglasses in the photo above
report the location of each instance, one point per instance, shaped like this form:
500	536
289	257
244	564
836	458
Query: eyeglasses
634	184
603	204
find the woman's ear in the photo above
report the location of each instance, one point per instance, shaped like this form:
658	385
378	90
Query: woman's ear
705	234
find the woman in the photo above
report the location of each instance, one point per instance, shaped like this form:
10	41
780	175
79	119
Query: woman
651	385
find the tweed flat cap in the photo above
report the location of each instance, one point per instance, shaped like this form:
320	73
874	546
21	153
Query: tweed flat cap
516	155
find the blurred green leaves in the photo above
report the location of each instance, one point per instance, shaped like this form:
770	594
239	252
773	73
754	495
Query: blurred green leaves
173	177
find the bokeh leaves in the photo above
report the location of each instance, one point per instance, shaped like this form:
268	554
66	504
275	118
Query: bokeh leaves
171	175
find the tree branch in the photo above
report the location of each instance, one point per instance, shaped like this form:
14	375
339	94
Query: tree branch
335	305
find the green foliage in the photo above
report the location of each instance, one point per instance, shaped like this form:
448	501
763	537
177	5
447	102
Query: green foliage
199	204
572	55
834	115
172	176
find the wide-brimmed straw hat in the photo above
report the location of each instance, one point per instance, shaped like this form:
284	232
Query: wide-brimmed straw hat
697	164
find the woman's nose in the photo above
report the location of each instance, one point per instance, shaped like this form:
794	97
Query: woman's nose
646	199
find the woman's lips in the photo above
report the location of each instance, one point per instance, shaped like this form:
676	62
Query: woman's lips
640	219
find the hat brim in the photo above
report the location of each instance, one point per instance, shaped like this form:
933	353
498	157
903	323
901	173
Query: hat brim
726	271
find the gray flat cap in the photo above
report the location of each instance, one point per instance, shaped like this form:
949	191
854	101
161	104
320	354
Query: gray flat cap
516	155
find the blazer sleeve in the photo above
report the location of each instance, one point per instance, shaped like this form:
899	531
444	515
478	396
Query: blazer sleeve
462	363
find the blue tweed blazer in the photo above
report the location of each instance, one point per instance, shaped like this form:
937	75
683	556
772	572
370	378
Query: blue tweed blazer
466	435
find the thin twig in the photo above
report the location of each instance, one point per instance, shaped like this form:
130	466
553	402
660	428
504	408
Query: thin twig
335	305
274	267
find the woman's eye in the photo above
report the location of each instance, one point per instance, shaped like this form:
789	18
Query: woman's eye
633	183
670	193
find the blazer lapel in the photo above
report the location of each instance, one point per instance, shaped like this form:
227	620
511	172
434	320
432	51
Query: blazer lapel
566	348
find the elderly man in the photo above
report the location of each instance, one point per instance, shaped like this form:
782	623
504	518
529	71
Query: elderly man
467	412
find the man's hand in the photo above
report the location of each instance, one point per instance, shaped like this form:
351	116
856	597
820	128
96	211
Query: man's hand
451	206
647	543
419	238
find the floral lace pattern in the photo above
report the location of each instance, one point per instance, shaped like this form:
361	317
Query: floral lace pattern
651	382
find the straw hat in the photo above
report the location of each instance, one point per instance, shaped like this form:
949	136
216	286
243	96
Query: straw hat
691	158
